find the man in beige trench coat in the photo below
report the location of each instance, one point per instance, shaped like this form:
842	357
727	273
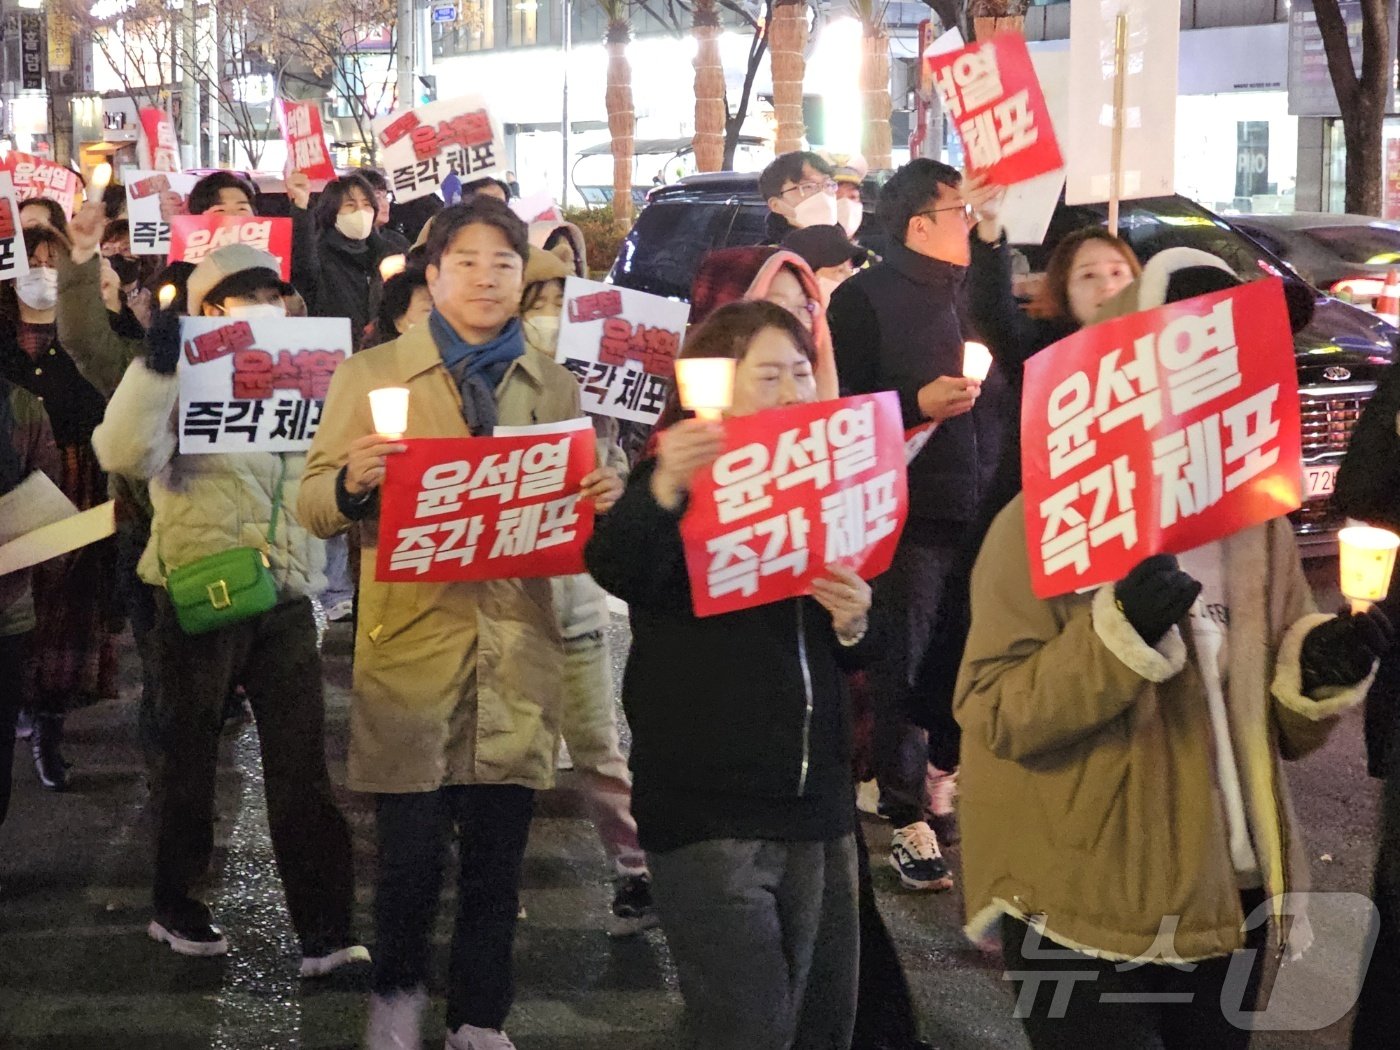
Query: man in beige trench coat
454	723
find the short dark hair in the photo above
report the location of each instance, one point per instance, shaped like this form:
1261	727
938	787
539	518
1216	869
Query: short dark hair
113	200
398	295
57	240
910	190
116	230
788	168
206	191
375	178
470	189
242	284
58	218
484	211
333	196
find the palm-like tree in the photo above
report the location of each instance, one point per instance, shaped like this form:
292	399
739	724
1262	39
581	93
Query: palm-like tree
710	110
622	116
787	41
876	139
989	17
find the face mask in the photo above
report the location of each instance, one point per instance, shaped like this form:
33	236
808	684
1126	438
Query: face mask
127	269
38	289
817	210
253	311
542	333
848	215
355	225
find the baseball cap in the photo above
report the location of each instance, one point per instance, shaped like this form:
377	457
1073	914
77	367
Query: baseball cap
223	263
823	246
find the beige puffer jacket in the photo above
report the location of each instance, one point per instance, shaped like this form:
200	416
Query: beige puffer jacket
204	504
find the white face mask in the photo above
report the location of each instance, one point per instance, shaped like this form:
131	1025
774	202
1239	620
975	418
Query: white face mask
848	215
817	210
542	333
355	225
38	289
253	311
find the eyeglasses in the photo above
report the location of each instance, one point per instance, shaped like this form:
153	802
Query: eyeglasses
969	213
807	189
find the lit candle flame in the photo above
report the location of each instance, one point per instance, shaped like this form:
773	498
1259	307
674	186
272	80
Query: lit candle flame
166	296
101	176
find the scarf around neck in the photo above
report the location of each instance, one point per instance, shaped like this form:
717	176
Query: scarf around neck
478	369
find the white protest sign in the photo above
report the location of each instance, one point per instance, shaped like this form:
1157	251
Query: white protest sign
419	148
14	257
59	537
1149	99
621	346
150	231
256	385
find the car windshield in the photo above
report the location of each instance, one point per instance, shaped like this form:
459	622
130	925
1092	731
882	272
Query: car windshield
1373	243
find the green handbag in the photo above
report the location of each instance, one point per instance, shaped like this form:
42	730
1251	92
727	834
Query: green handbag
228	587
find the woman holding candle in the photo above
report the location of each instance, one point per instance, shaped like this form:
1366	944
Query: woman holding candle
741	735
341	277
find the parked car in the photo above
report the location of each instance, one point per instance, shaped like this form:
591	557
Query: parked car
1340	355
1347	256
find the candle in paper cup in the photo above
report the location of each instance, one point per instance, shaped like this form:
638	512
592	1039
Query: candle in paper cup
391	266
977	361
101	176
1368	558
389	407
166	296
706	385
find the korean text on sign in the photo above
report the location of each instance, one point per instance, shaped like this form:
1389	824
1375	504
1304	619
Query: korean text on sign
454	509
258	385
621	346
150	232
192	237
795	490
14	257
37	177
306	140
420	148
1160	431
991	92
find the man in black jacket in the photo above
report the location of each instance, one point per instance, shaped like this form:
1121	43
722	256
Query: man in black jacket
899	326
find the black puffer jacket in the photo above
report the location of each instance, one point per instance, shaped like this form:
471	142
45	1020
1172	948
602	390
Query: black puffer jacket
345	280
740	722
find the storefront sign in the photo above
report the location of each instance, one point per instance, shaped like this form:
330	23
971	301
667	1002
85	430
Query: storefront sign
31	51
60	27
157	146
1159	432
37	177
258	385
150	232
306	141
796	489
991	93
420	148
621	346
192	237
14	257
1310	91
487	508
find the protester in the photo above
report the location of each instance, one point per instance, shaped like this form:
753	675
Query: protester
219	193
73	655
406	302
486	187
511	184
1132	745
114	202
205	505
342	278
41	212
383	200
741	737
564	240
830	254
451	728
849	172
899	326
588	719
800	192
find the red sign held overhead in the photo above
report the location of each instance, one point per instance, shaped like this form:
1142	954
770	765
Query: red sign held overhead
991	92
192	237
455	509
796	489
36	177
1159	432
157	147
306	140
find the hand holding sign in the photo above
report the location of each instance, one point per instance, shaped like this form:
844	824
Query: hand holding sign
299	189
846	596
85	229
684	450
602	488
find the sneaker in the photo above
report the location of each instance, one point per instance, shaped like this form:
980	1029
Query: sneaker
396	1020
330	962
196	939
565	761
24	726
341	610
914	853
632	907
470	1037
868	798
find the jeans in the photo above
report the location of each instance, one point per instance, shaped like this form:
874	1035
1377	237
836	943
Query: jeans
492	824
13	653
765	939
339	586
274	658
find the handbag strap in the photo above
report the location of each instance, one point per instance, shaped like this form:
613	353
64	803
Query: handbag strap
276	503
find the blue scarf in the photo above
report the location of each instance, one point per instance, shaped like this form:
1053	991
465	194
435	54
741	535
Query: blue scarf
478	370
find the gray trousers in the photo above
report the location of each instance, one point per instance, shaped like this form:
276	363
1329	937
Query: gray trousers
765	938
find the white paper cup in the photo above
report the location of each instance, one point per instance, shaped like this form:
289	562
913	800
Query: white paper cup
706	385
1368	559
389	407
977	361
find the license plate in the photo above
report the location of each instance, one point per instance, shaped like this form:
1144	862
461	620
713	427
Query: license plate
1319	482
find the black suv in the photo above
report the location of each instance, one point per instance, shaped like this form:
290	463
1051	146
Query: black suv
1340	355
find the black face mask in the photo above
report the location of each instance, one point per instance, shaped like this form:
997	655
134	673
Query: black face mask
127	269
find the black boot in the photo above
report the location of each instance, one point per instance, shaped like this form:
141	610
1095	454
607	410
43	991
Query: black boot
47	743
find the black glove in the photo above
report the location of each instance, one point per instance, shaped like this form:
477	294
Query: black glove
1341	652
163	343
1156	595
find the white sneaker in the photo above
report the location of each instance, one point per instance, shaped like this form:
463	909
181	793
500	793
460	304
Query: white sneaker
200	941
565	761
914	853
341	610
469	1037
868	797
323	965
396	1020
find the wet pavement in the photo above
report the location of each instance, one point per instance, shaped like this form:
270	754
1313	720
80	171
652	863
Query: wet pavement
77	971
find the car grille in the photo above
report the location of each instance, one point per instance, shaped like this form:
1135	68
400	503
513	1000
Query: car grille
1329	418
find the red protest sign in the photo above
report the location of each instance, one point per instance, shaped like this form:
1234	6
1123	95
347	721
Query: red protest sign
192	237
1159	432
306	140
157	146
795	490
37	177
993	96
492	508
